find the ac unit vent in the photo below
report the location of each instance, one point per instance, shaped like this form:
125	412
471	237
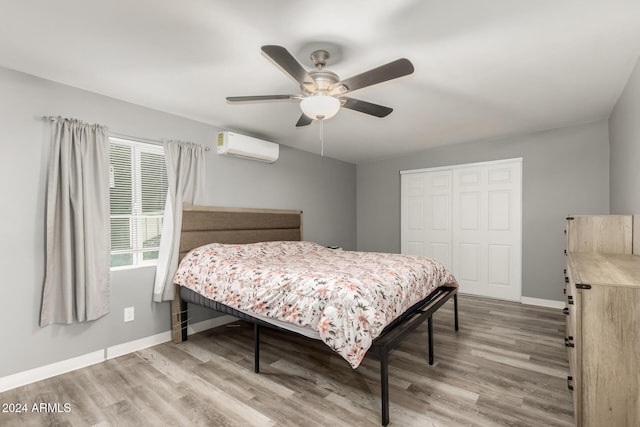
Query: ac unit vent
247	147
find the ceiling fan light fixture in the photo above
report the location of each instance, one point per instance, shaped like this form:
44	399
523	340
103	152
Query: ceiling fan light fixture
320	107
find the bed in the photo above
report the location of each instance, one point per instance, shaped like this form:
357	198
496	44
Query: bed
253	264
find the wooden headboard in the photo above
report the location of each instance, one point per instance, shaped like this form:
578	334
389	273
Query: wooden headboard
206	224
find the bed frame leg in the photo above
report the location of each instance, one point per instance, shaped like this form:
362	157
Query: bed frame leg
256	349
183	322
384	385
430	335
455	310
179	318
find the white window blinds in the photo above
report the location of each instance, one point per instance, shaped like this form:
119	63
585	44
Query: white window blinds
138	190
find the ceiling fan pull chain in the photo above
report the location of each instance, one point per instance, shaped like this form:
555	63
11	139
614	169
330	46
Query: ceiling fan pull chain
322	138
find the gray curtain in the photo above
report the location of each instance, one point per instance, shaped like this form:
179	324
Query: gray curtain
186	176
78	235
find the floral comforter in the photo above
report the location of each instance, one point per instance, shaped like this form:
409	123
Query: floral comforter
348	297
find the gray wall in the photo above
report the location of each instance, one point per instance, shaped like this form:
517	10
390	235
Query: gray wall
325	189
624	136
565	171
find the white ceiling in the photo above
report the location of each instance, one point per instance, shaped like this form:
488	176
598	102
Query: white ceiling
483	68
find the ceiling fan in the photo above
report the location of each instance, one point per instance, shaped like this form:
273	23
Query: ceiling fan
322	90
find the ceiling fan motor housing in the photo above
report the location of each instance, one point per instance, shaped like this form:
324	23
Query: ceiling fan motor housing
324	81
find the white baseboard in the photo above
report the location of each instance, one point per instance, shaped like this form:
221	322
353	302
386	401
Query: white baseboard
543	302
43	372
131	346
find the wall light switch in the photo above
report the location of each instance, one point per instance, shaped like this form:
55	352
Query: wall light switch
128	314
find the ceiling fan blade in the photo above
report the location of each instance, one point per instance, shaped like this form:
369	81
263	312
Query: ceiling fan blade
365	107
303	121
392	70
281	57
260	98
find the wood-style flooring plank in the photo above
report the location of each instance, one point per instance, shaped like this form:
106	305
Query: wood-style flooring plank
506	366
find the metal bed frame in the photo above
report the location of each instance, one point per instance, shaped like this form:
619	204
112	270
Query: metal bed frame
390	337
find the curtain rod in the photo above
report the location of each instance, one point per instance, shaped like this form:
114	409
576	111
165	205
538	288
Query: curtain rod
129	137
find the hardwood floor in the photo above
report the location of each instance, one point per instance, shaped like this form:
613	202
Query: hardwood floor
506	366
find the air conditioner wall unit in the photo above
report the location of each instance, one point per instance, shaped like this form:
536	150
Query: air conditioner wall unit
247	147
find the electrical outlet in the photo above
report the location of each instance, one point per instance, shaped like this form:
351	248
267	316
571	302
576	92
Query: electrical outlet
128	314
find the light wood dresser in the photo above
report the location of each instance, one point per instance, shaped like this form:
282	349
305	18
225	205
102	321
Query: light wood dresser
603	319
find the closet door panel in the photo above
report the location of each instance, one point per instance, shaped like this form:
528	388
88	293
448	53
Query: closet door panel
426	215
487	214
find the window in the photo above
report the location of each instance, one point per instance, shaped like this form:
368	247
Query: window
138	181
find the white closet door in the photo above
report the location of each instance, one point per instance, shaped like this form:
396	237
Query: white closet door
487	230
469	218
426	215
